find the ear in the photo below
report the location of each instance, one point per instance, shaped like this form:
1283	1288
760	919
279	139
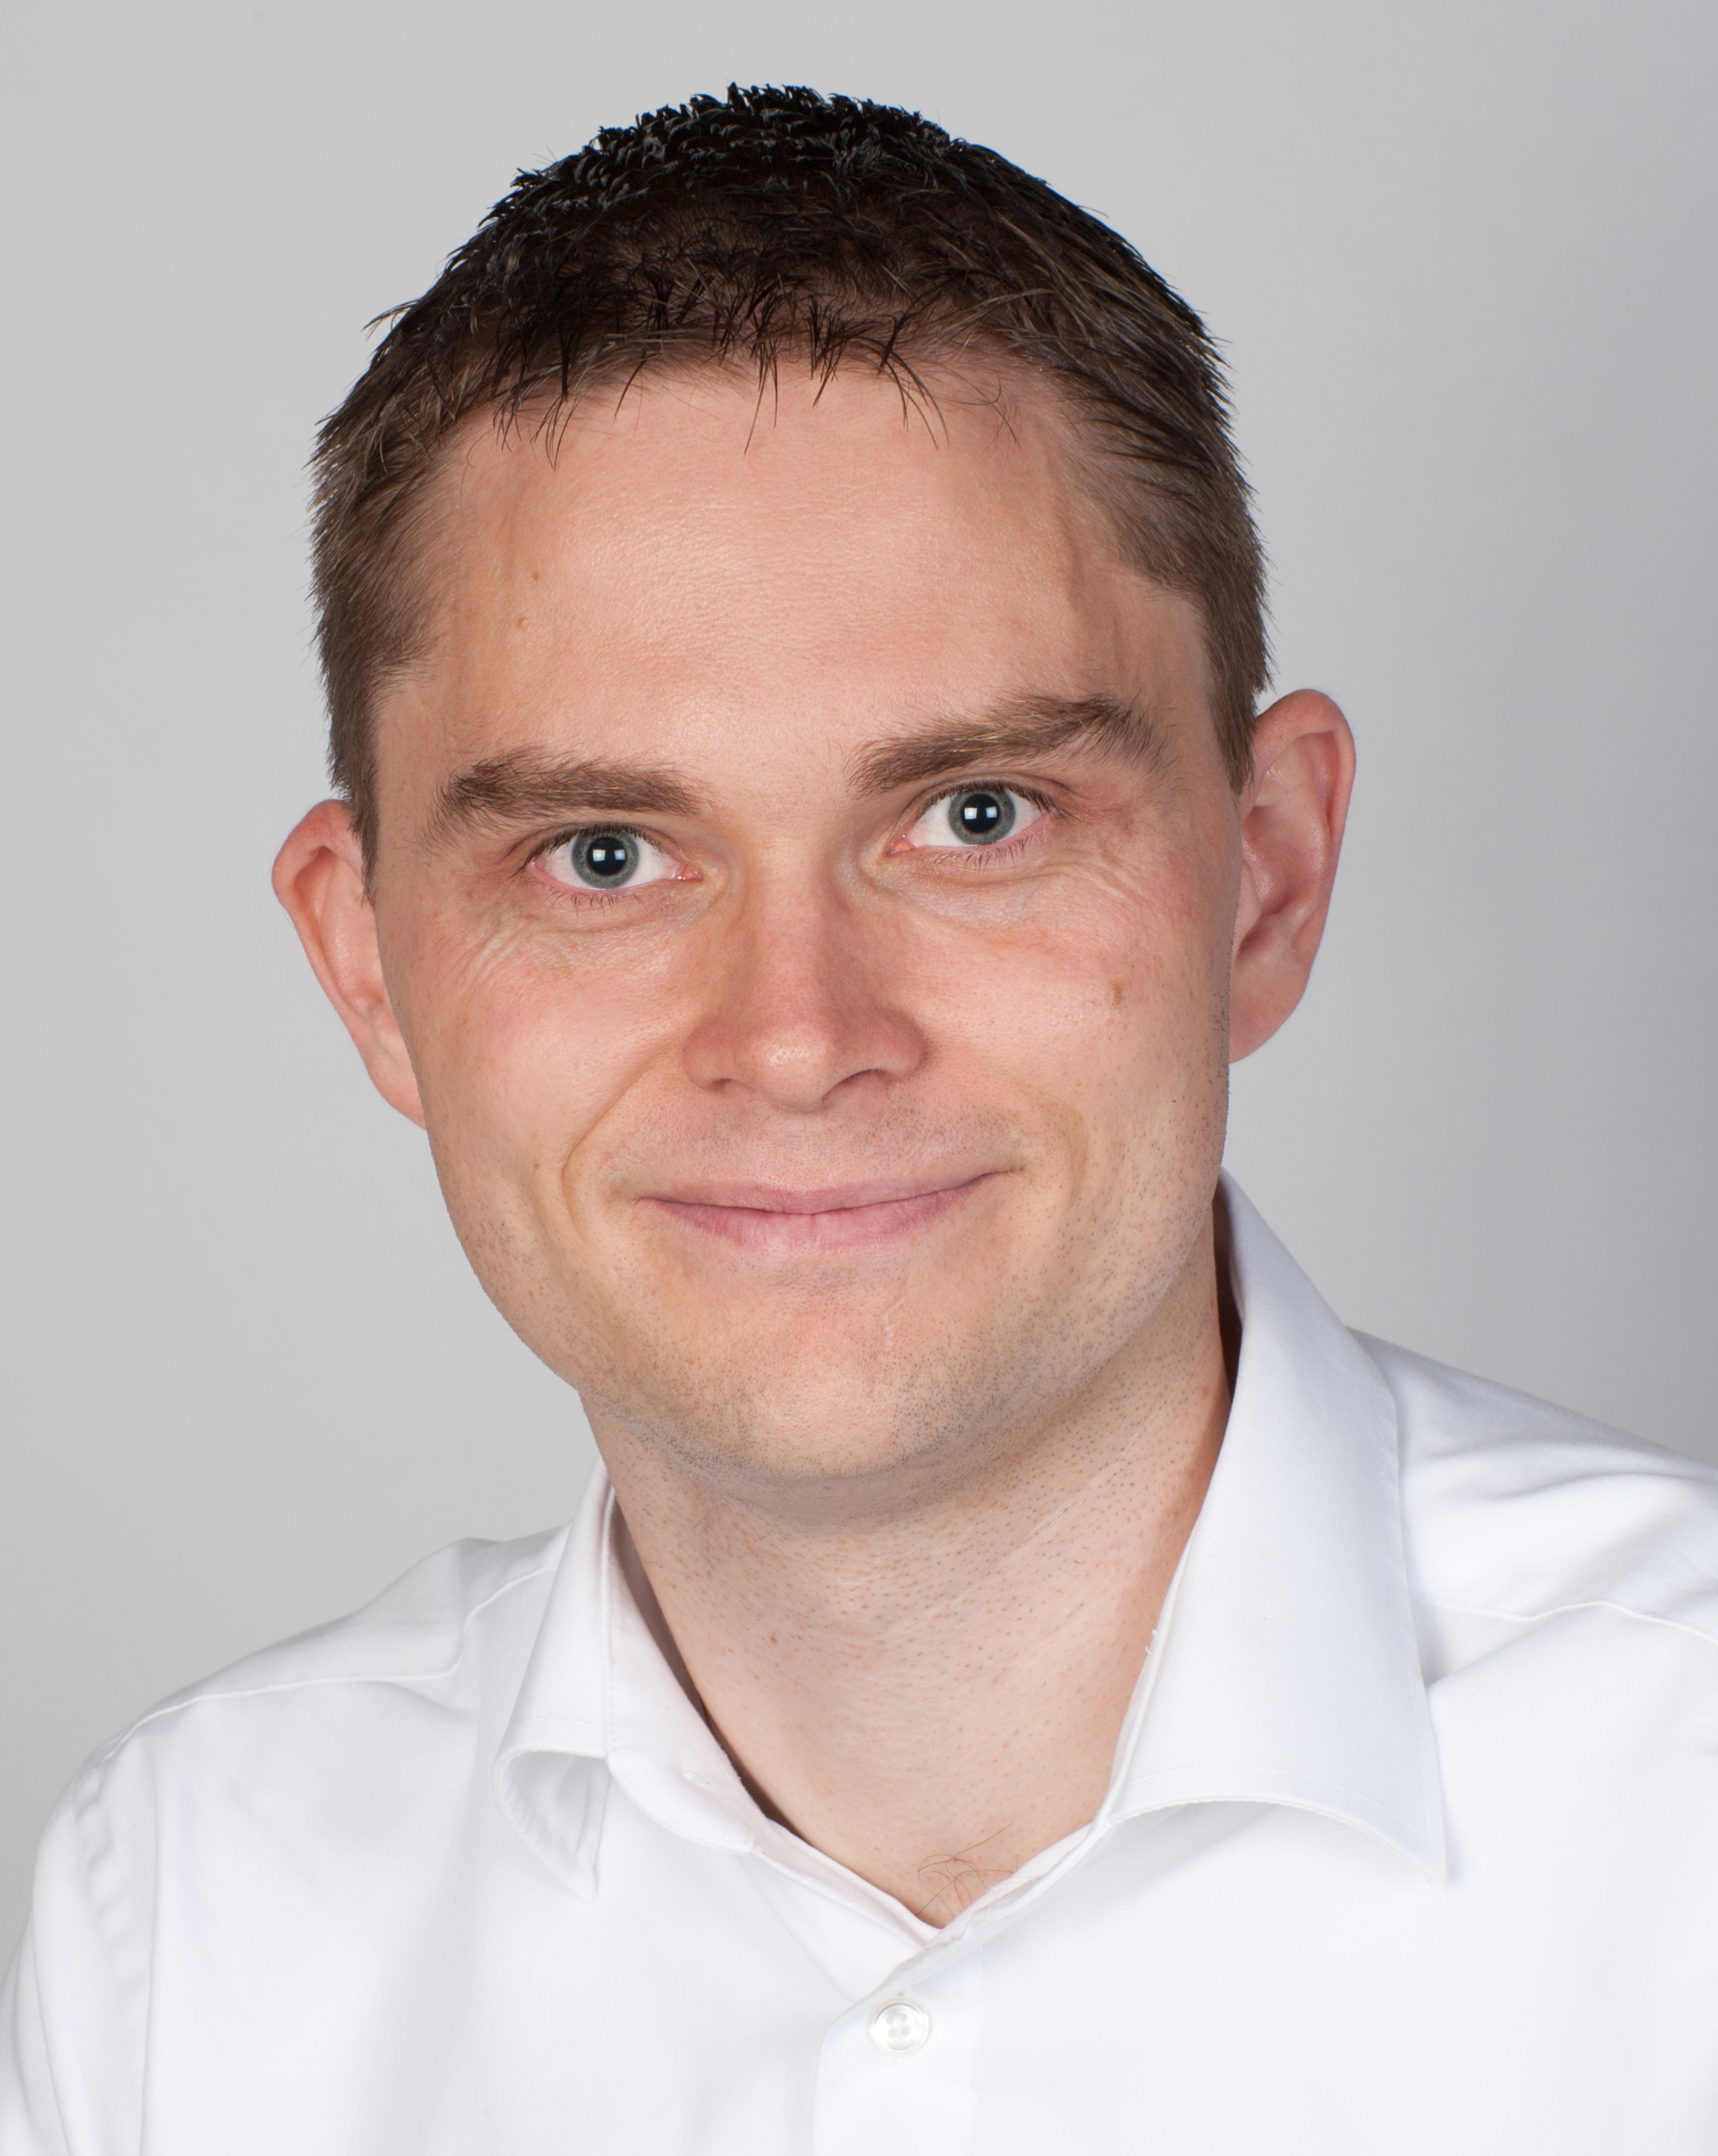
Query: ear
1291	816
319	878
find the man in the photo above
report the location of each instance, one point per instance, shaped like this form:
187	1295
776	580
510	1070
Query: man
1025	1676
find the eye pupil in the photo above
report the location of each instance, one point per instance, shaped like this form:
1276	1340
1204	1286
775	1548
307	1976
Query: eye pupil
981	816
604	857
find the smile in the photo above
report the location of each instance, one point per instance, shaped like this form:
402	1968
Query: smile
768	1218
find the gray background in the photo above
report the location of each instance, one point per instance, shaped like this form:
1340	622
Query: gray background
1461	257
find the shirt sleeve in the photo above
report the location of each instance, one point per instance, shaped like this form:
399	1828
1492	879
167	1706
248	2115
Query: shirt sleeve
30	2123
73	2008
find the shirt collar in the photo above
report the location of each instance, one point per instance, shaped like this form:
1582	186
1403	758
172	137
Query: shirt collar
1284	1670
599	1692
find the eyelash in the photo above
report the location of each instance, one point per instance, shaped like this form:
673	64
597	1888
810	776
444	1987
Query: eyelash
586	896
972	857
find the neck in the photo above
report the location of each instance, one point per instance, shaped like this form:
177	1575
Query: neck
934	1695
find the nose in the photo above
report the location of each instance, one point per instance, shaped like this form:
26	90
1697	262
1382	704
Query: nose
796	1008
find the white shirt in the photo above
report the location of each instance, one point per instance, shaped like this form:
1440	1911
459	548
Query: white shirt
1411	1846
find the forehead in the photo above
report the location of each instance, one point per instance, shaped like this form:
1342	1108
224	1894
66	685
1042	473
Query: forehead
696	564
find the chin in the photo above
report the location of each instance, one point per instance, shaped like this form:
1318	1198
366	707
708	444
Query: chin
807	1411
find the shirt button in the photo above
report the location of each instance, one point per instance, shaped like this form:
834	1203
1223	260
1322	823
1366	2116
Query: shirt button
898	2025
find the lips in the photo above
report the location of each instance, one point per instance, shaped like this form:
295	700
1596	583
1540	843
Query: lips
766	1217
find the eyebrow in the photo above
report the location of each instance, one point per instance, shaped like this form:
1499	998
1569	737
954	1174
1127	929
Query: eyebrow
1030	727
523	787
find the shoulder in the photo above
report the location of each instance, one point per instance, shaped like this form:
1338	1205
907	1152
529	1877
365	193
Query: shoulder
416	1673
321	1777
459	1605
1519	1509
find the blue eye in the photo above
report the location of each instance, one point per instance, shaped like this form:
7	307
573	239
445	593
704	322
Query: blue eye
603	858
606	859
980	817
974	816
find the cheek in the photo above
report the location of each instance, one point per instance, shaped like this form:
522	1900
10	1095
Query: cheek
1103	1020
522	1046
1134	962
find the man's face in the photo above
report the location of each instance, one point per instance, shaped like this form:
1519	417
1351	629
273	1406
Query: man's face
859	1096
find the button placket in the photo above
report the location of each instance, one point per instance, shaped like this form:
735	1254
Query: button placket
901	2071
898	2025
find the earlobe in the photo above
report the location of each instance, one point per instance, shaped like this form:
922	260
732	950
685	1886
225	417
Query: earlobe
319	878
1291	819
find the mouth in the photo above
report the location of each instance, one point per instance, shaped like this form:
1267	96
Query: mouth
775	1220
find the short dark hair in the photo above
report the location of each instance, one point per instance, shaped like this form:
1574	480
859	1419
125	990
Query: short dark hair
734	231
